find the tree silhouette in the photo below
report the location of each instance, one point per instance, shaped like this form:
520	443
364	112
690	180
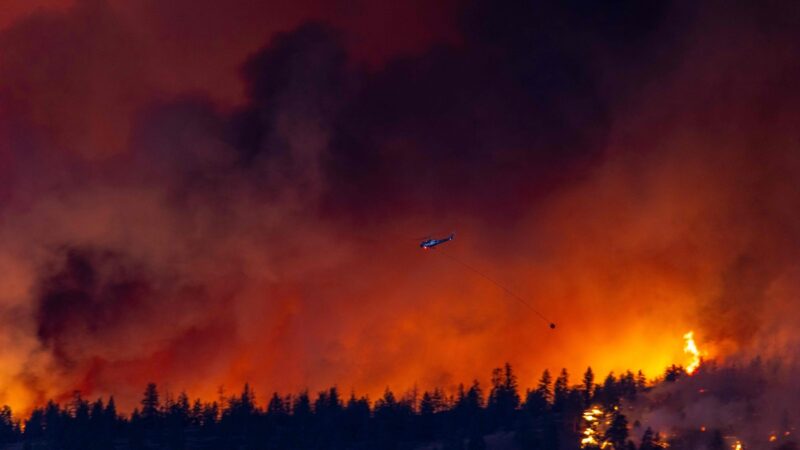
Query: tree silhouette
588	386
673	373
610	392
560	391
151	405
8	429
627	385
532	425
545	386
641	381
548	419
617	433
648	441
356	419
503	397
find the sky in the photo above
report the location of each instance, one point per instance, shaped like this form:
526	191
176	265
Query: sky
203	194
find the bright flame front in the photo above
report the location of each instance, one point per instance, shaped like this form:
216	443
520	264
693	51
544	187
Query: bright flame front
596	423
691	349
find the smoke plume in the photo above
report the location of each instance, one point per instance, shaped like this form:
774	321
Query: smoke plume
184	203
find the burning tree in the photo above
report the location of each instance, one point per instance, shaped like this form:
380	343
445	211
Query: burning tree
605	429
597	424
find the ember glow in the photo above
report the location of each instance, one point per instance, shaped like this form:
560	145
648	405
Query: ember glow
204	196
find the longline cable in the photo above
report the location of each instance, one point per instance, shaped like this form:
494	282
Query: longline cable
496	283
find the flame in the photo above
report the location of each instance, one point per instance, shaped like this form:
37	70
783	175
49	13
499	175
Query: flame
596	422
691	349
592	417
773	438
737	445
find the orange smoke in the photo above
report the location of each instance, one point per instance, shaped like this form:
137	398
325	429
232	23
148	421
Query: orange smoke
683	212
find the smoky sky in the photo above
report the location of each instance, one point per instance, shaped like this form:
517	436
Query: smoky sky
171	215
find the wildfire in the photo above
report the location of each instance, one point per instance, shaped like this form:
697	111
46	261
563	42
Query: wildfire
592	435
691	349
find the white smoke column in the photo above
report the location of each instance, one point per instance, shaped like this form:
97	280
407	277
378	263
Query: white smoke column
743	401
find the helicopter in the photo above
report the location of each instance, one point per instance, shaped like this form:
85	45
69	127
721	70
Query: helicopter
429	242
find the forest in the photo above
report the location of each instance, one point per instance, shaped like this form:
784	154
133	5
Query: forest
556	414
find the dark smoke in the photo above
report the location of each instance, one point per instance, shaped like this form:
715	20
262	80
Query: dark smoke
89	293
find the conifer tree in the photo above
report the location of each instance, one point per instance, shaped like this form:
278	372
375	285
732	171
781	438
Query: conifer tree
641	381
151	406
648	440
617	432
561	391
504	396
545	386
588	386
